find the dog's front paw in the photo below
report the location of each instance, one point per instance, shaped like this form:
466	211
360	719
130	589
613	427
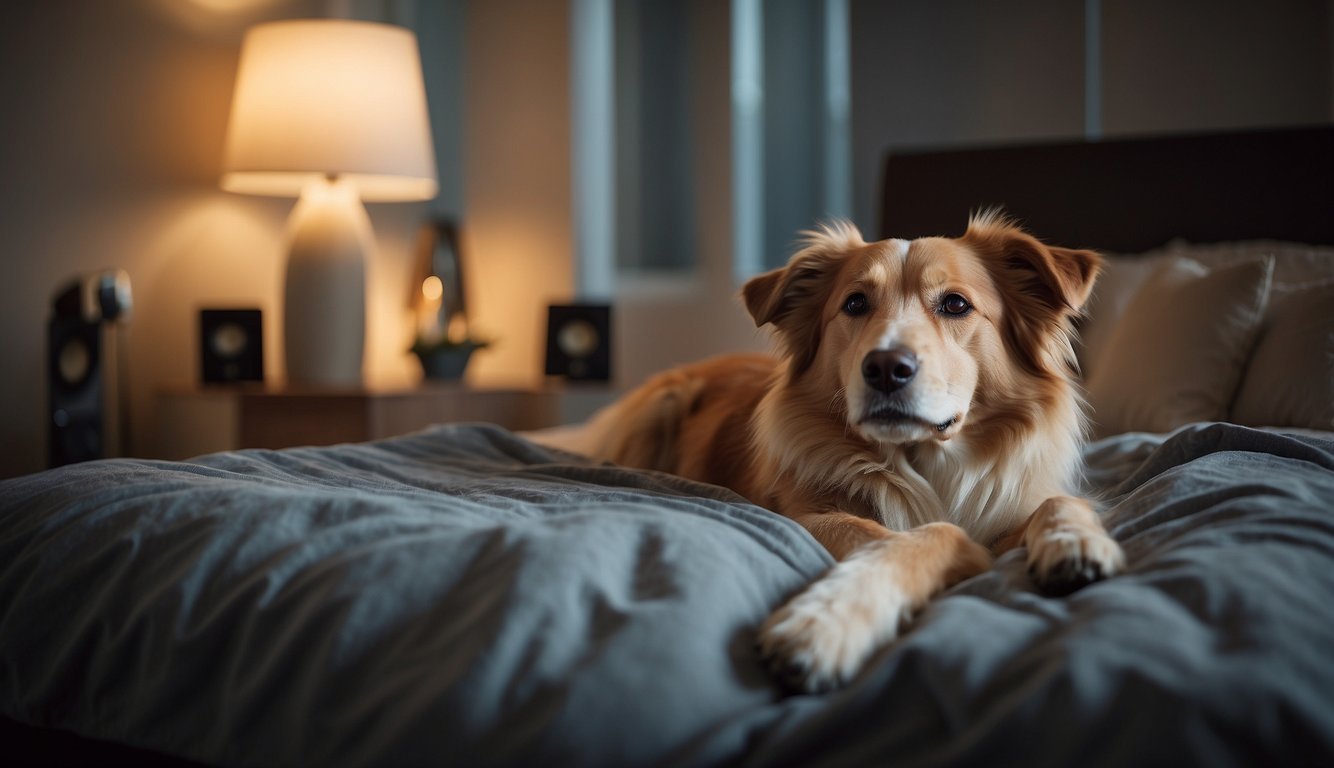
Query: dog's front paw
1063	560
1067	546
821	638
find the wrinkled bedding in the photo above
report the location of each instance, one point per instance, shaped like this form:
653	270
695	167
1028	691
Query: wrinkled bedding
462	596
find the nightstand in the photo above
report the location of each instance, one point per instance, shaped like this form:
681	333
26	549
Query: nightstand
198	420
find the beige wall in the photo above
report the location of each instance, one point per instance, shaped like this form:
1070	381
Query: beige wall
112	140
1198	65
517	236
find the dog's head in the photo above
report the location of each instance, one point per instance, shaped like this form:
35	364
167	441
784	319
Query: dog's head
917	334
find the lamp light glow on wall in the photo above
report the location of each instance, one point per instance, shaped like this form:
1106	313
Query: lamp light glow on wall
333	112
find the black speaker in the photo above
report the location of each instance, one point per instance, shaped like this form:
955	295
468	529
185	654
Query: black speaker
86	396
231	345
579	341
76	408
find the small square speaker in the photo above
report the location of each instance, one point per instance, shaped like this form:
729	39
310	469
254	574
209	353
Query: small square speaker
231	344
579	341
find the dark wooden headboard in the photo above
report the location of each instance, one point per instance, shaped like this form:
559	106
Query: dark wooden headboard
1124	195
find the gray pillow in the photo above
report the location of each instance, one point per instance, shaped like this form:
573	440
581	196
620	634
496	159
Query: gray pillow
1289	381
1178	353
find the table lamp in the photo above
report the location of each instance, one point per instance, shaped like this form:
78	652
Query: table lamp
333	112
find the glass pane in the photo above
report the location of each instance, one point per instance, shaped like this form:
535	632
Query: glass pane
806	167
654	219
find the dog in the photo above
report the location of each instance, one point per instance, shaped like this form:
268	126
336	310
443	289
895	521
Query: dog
921	417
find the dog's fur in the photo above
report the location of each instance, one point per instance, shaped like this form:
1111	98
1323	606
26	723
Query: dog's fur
911	439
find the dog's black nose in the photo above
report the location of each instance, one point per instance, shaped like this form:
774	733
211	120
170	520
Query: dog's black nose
889	369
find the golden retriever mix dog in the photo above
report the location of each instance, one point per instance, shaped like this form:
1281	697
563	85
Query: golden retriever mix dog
920	418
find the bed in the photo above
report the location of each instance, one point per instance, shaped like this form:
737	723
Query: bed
464	596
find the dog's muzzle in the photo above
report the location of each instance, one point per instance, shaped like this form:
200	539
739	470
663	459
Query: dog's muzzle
886	372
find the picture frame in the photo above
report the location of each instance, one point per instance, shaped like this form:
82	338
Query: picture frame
579	341
231	345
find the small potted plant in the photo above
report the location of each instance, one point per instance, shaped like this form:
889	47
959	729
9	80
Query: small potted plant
445	359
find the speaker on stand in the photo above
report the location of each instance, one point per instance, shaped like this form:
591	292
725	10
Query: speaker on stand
87	396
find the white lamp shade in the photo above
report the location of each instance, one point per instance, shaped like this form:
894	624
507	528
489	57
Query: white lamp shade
330	98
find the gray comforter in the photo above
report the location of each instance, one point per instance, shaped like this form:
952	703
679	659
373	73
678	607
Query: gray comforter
461	596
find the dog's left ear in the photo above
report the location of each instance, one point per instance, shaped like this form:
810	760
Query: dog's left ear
1063	277
1044	287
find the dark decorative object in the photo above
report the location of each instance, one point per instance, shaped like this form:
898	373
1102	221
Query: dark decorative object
87	413
443	344
579	341
231	345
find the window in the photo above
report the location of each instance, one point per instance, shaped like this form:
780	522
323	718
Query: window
784	69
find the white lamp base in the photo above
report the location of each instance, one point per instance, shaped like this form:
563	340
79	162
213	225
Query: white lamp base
324	298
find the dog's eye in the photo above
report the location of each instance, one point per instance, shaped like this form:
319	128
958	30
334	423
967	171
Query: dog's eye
856	304
955	305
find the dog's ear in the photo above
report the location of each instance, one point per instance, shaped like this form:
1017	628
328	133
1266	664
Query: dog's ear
1044	287
792	298
802	284
1061	278
1066	274
763	296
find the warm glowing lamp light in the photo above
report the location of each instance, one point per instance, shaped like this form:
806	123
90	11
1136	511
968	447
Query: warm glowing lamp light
433	288
333	112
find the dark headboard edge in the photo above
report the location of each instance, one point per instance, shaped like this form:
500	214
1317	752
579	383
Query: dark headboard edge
1125	195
